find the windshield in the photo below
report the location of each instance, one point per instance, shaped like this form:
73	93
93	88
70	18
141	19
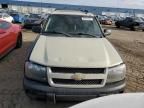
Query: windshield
76	26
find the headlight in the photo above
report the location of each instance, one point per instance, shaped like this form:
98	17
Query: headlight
116	73
35	71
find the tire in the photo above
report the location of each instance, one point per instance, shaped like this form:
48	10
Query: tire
19	42
143	30
118	26
133	28
121	91
13	21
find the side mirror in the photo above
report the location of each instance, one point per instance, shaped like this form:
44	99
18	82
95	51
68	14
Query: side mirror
107	32
36	29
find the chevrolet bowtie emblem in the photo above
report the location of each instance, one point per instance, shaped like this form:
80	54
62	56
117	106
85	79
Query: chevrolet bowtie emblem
78	76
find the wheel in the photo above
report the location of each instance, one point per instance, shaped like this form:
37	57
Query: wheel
13	21
19	41
143	30
133	28
118	26
122	91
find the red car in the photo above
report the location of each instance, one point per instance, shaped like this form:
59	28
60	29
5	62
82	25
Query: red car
106	22
10	37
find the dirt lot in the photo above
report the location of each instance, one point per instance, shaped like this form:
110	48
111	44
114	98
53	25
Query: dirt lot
130	44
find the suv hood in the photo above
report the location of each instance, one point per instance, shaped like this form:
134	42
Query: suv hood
74	52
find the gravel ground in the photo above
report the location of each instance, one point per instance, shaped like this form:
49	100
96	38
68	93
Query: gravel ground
129	44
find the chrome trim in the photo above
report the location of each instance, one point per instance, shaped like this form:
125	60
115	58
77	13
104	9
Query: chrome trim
52	75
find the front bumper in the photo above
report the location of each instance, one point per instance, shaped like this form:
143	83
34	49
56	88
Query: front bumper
43	89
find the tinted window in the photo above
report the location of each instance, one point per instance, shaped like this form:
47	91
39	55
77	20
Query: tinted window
4	25
72	24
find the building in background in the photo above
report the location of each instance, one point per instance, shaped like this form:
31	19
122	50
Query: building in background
40	7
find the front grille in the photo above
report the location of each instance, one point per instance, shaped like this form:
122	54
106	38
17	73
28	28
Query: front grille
77	77
77	70
73	82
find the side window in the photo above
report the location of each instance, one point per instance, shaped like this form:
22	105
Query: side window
4	25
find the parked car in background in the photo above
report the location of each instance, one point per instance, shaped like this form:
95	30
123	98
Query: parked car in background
29	21
115	18
11	11
18	17
2	11
26	15
41	21
6	17
72	59
107	21
44	16
131	22
10	37
38	23
104	20
101	17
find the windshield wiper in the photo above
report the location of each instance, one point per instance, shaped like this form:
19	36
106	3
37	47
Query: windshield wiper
58	32
80	33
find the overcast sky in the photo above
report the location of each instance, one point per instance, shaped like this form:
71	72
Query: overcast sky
106	3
